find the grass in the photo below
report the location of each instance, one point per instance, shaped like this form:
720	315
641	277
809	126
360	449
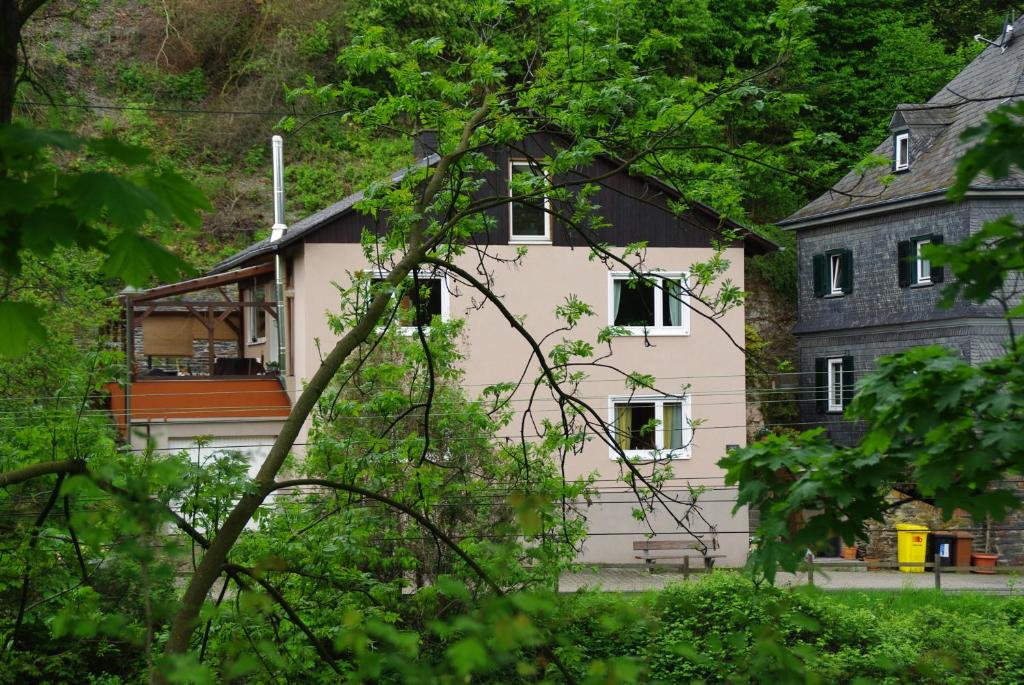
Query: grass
886	603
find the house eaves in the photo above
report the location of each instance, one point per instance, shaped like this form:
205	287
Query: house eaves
934	197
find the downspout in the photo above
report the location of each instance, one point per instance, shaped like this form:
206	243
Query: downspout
129	350
276	233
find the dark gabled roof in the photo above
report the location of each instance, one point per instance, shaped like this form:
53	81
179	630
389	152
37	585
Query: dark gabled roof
993	78
753	242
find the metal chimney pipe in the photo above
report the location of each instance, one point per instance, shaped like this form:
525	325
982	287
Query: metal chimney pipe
278	229
276	233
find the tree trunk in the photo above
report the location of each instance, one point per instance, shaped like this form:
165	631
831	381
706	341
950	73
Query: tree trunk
10	35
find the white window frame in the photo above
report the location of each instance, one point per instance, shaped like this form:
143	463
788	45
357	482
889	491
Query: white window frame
422	274
922	265
659	401
251	314
834	374
659	327
901	150
835	269
514	239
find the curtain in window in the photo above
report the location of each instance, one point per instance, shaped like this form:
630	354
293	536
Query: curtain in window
673	292
672	425
623	424
616	297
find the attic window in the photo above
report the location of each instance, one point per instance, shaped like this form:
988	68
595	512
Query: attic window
529	218
901	156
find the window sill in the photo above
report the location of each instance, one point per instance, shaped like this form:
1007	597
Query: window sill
831	410
834	296
647	455
408	330
257	341
663	331
922	284
526	240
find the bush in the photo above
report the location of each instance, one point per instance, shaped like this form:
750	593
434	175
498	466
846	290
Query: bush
722	629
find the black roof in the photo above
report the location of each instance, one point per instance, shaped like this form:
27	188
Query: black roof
753	242
994	77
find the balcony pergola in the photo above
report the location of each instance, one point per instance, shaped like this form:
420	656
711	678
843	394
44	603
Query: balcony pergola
172	323
184	321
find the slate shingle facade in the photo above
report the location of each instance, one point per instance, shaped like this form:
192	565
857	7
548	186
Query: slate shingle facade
870	215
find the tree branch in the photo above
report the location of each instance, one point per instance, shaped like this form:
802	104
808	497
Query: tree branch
43	468
323	650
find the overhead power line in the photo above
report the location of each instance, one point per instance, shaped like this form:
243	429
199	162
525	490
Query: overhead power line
170	110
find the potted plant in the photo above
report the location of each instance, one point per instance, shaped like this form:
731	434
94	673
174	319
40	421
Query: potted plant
985	561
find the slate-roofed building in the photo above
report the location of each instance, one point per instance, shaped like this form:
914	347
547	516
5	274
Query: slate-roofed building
864	290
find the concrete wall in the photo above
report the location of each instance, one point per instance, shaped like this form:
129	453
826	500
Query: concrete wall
163	434
705	359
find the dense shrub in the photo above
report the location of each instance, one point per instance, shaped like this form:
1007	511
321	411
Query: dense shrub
723	630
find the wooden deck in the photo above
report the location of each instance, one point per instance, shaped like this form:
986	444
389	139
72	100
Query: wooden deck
198	398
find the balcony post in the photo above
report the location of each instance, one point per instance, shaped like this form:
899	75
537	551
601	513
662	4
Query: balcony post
210	326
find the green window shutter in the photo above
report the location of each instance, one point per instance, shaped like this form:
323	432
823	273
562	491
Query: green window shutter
904	267
938	273
821	384
847	274
820	269
848	380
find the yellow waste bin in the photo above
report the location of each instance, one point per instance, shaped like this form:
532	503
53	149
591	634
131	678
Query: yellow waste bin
911	546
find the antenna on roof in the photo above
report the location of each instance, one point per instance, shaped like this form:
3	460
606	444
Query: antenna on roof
1005	37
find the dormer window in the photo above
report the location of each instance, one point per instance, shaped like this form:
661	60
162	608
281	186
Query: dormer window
901	151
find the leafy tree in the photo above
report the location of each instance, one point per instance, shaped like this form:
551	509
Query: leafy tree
522	69
309	594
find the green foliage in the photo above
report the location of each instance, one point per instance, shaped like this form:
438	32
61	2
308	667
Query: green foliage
146	83
931	419
395	600
385	597
724	629
44	207
777	407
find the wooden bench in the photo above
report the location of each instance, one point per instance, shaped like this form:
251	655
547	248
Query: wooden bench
655	551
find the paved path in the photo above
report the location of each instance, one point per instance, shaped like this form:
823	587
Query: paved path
639	580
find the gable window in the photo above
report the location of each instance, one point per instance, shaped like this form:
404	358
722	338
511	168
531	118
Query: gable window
833	273
256	317
656	305
901	151
914	269
651	427
834	381
417	302
530	221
